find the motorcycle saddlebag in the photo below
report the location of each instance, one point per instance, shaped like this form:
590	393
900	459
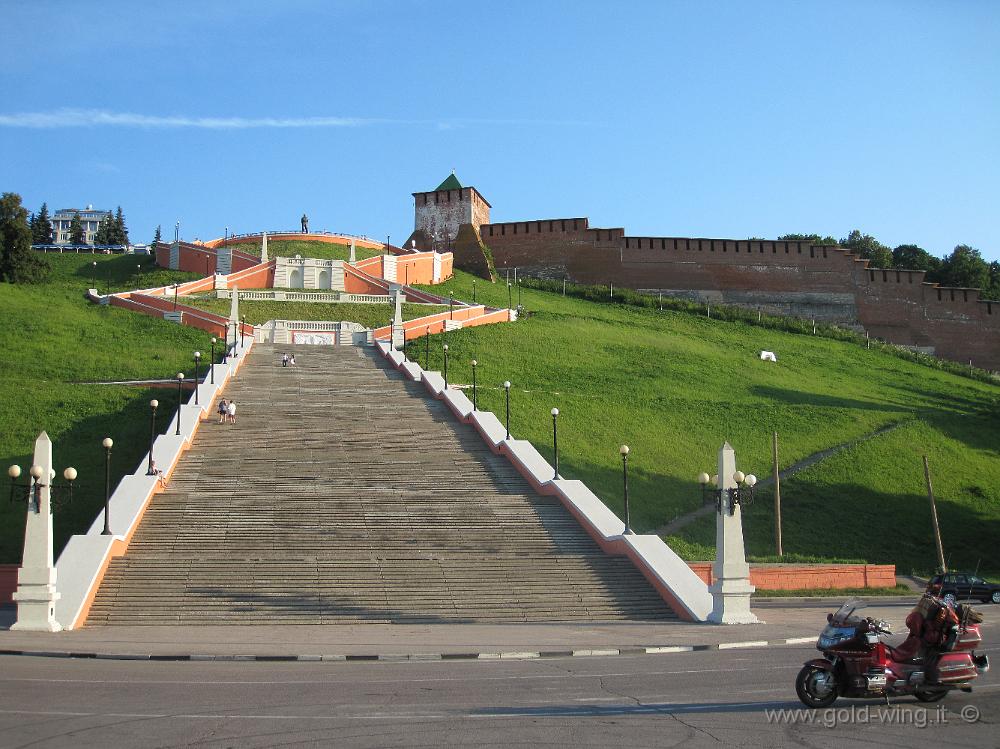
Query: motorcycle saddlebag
969	639
955	668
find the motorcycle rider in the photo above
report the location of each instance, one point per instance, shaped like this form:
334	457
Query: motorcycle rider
929	624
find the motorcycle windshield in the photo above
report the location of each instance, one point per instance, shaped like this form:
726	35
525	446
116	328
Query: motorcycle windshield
847	614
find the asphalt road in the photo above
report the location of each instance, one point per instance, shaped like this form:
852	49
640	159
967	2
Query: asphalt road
697	699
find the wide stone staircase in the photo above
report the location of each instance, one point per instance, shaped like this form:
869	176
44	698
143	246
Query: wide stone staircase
344	494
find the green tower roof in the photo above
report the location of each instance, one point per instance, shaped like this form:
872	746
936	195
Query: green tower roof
451	183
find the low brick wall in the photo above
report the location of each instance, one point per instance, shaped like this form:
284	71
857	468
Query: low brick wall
8	582
806	576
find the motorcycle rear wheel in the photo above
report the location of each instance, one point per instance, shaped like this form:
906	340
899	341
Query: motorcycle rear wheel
816	687
930	695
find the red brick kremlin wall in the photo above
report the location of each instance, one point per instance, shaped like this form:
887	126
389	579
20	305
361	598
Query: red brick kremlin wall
827	283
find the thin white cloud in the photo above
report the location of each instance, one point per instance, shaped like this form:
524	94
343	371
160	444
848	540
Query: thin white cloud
70	118
62	118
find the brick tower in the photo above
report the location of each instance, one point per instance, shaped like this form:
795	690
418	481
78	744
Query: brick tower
440	212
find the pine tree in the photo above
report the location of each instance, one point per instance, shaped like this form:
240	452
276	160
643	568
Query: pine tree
41	229
18	262
156	237
76	235
105	232
119	231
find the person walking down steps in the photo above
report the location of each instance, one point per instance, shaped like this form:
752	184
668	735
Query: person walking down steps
231	412
284	360
305	224
223	410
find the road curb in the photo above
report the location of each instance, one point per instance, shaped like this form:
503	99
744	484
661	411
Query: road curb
491	655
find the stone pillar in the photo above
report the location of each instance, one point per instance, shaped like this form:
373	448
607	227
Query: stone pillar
36	594
353	258
398	333
263	248
234	315
731	589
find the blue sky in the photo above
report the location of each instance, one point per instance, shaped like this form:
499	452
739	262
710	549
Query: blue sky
722	119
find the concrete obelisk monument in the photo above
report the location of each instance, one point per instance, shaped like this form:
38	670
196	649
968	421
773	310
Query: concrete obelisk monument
731	589
234	317
398	332
36	594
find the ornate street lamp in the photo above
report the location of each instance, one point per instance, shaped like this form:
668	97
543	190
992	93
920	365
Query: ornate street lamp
107	443
473	291
93	273
555	442
180	383
211	367
427	348
153	405
624	451
475	400
32	491
510	300
197	361
726	500
243	322
446	366
506	387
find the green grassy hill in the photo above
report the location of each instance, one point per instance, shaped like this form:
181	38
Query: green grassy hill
671	385
305	248
674	387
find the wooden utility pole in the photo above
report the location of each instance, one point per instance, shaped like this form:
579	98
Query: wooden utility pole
777	498
934	517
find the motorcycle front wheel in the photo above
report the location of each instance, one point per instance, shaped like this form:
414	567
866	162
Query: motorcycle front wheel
816	687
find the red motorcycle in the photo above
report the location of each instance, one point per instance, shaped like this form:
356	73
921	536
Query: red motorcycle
856	663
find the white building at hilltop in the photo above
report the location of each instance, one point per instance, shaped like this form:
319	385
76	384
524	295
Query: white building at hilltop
89	218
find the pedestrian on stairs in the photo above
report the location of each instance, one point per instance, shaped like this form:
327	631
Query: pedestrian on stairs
223	410
231	411
284	360
291	360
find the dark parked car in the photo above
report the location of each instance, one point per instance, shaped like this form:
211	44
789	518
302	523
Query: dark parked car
956	586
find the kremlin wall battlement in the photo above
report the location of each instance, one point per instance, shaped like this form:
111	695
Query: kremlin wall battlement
822	282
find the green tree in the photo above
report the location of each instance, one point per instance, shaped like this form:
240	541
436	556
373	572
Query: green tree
868	248
41	227
992	291
76	235
18	262
912	257
156	237
814	238
965	267
120	231
105	231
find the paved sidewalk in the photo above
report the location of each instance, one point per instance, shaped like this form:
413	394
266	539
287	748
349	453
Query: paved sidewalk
798	621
